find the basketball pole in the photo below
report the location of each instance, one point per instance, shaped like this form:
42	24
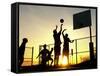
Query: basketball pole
91	46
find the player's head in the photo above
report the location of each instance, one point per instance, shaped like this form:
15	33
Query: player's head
44	46
66	35
25	40
51	48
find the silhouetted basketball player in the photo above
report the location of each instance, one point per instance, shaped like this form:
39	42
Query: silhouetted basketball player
21	51
49	56
57	43
44	53
66	44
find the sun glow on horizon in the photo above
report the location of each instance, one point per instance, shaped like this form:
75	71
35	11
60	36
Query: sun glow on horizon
64	60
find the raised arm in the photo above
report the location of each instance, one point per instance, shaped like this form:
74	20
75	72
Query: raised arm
63	32
71	41
61	27
51	50
56	27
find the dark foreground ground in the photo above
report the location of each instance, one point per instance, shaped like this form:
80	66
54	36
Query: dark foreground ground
39	68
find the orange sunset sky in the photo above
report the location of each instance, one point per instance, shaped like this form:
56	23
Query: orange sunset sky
38	22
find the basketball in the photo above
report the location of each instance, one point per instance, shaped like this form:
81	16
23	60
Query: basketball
61	20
